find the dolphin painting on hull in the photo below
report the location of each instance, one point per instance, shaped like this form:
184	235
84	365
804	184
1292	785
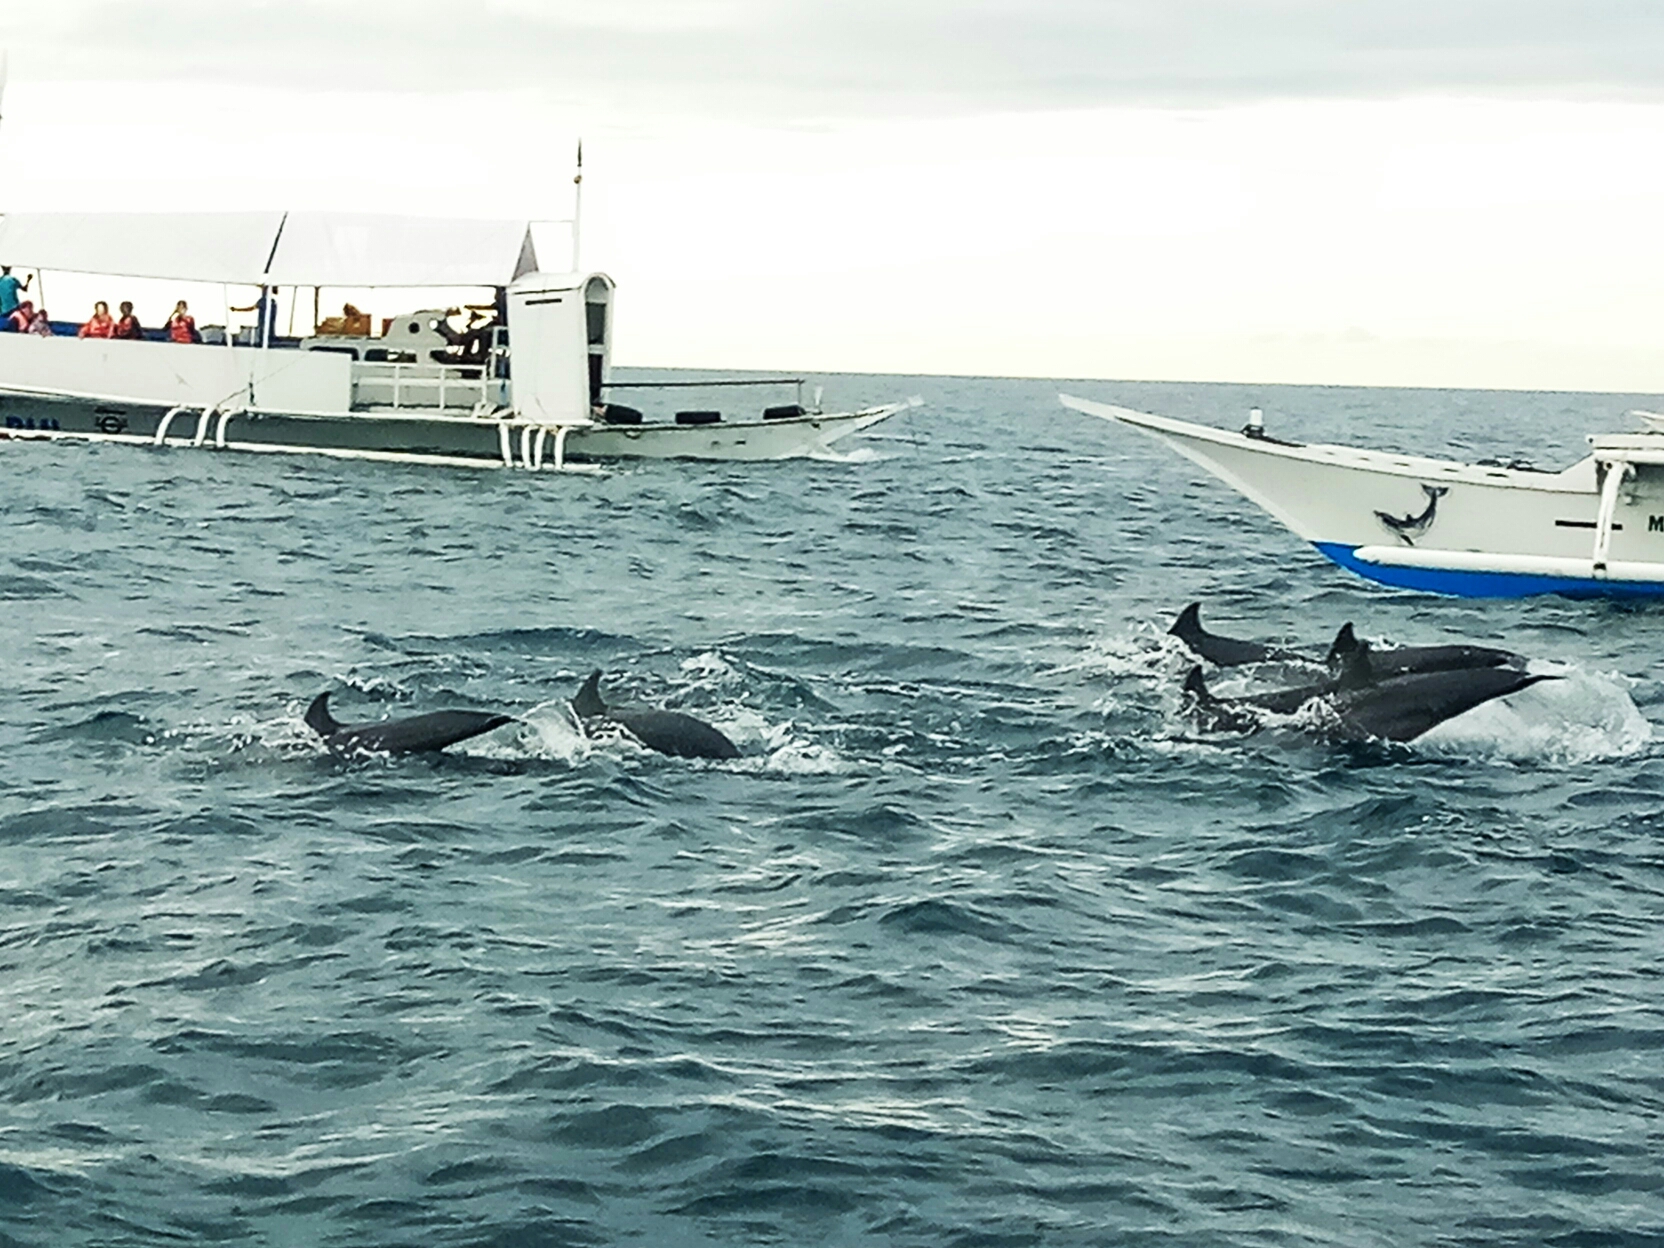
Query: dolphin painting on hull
1408	528
668	732
1359	704
417	735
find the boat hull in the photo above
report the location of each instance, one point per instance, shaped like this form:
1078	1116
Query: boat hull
788	438
1594	530
404	436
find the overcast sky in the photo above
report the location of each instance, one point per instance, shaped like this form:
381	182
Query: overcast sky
1400	192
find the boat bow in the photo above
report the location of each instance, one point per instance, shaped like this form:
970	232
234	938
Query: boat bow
1596	528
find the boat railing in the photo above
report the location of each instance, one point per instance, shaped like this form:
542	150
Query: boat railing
428	387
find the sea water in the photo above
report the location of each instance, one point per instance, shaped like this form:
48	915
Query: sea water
978	943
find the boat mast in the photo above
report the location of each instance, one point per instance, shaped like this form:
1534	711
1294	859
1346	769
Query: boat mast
577	203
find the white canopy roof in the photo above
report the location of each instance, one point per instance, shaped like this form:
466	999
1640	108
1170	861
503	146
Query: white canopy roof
221	247
273	248
332	249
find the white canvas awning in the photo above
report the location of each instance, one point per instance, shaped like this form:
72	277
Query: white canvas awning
333	249
273	248
195	247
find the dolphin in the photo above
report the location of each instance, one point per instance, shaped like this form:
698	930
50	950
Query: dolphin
1402	660
1226	651
418	734
1358	704
1394	661
668	732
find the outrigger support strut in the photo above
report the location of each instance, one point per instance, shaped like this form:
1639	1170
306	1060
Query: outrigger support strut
162	429
1617	471
533	440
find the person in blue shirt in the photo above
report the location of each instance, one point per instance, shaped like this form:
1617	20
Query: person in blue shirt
11	291
265	319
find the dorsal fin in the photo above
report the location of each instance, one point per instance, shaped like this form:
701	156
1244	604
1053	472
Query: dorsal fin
1356	671
1197	687
318	718
1346	641
587	701
1189	623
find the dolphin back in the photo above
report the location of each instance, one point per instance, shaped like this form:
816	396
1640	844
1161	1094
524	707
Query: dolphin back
1410	659
672	732
1225	651
668	732
1403	707
417	734
420	734
1213	713
1406	660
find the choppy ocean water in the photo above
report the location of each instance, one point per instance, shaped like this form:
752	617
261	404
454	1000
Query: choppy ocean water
978	944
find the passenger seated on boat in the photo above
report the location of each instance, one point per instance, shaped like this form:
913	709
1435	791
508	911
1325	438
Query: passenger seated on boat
477	340
100	324
350	324
42	324
458	342
467	346
453	337
20	318
127	325
182	325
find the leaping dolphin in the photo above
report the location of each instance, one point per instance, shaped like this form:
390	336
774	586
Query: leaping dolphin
1359	704
668	732
418	734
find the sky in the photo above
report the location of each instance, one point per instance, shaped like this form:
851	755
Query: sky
1374	192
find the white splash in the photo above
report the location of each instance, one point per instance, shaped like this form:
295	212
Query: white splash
805	758
1142	653
547	731
710	666
860	455
1580	717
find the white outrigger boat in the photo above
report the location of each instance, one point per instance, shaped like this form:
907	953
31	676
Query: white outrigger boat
1595	529
529	388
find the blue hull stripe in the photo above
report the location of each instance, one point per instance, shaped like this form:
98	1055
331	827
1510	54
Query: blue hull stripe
1486	584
